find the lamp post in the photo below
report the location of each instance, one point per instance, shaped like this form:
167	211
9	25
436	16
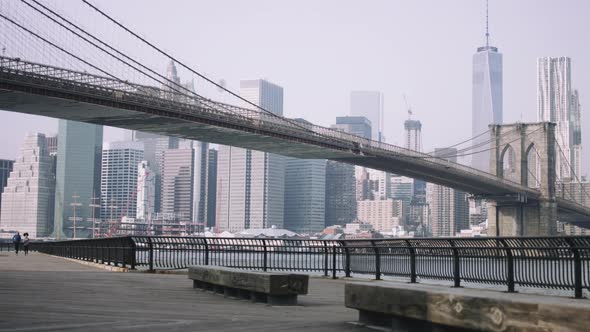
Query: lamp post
93	206
74	205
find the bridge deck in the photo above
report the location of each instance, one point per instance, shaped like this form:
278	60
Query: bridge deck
44	293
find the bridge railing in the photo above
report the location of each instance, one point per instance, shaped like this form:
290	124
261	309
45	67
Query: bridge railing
543	262
185	103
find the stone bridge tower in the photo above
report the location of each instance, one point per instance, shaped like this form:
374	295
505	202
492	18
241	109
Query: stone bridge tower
524	153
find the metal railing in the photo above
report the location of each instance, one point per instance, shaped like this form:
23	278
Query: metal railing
542	262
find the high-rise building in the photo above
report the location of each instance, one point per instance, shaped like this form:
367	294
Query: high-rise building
402	188
486	99
177	178
380	184
356	125
343	180
413	135
153	145
449	208
558	102
305	190
211	188
119	173
79	150
577	135
383	215
340	193
27	197
200	187
370	105
5	169
251	184
146	185
51	142
418	209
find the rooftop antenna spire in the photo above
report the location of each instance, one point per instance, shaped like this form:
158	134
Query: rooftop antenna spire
487	27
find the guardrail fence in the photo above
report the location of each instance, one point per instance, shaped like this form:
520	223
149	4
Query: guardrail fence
544	262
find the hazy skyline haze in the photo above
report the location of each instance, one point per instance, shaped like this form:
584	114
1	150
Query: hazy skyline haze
321	51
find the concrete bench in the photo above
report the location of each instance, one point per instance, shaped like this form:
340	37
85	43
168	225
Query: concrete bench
420	307
274	288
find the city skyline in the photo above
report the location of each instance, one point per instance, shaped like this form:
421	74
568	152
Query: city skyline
519	66
252	191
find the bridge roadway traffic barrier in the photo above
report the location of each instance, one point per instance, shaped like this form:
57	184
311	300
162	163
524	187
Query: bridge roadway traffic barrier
274	288
428	308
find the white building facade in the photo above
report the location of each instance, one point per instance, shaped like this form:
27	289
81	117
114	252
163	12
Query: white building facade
146	187
558	102
177	167
26	200
383	215
449	208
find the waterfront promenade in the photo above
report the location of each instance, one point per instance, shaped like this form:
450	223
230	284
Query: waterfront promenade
44	293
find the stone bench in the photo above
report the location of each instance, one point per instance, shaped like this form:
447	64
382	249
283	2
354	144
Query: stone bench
274	288
420	307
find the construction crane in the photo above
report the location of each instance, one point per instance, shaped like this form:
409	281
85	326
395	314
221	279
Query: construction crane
408	107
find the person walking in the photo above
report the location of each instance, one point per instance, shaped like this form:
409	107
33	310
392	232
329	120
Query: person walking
16	240
26	243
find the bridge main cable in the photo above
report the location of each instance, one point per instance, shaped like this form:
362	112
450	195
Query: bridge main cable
219	86
203	99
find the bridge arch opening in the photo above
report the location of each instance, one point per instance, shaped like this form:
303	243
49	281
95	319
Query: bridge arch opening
532	178
508	164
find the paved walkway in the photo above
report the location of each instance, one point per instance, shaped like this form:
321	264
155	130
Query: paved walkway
44	293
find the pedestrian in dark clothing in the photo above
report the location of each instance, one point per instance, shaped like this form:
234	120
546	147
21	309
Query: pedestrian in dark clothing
26	243
16	241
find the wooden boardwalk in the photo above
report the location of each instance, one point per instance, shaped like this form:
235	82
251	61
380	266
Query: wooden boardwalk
44	293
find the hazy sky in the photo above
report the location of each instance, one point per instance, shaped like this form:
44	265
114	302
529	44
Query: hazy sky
319	51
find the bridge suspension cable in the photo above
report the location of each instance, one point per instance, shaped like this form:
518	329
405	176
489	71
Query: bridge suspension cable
61	49
199	97
202	76
573	172
458	154
465	141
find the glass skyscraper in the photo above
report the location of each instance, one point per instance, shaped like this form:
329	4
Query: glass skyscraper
370	105
305	187
118	183
486	101
79	150
251	184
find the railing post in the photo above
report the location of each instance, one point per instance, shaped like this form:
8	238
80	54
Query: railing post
456	265
102	251
334	261
265	257
325	259
577	269
109	252
121	253
377	261
346	259
206	251
151	254
509	267
412	251
132	253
